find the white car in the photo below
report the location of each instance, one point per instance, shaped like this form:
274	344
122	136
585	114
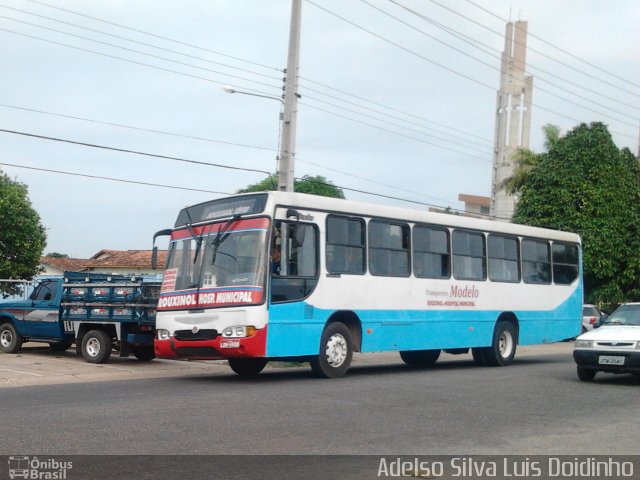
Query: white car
614	347
591	315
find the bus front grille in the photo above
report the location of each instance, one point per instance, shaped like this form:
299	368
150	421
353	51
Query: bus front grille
188	335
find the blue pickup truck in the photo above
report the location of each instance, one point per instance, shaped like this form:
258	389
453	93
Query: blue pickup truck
97	312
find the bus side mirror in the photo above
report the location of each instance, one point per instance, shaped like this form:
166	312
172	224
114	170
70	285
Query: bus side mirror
154	253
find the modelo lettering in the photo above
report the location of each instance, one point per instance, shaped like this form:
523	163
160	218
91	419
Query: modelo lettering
466	292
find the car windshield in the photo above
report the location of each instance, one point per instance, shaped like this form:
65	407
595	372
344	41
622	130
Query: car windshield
625	315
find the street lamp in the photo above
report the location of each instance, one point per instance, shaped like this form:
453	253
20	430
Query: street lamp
283	156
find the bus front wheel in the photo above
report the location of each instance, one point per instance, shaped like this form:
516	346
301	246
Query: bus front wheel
336	351
503	347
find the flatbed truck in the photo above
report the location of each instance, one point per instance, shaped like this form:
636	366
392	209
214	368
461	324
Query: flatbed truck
100	313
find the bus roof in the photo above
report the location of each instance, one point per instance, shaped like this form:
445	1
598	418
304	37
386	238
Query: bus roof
341	206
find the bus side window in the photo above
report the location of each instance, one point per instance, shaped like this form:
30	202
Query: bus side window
536	261
565	262
345	245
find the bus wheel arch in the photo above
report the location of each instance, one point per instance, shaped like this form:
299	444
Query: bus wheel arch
504	341
340	338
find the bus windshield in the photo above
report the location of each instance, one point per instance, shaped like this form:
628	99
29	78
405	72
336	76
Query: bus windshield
224	256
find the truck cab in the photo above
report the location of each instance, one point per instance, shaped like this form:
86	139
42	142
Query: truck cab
35	319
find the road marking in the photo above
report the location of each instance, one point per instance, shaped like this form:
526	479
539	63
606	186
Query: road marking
21	373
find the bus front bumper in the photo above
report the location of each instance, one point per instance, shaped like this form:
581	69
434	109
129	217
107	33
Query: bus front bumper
219	348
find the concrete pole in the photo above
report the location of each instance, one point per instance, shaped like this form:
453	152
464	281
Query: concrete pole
288	141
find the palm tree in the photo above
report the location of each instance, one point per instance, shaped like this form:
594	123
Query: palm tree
525	160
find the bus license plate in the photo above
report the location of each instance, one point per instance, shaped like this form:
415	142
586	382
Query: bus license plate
230	344
610	360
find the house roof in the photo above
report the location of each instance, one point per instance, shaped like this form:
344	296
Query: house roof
106	258
125	258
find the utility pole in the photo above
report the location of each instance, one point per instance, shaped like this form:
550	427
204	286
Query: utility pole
286	163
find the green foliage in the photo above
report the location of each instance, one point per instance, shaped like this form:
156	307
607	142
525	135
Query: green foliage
585	184
525	160
57	255
316	185
22	236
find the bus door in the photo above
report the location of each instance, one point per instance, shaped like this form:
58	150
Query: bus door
294	256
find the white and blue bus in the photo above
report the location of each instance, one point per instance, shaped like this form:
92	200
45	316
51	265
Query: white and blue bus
287	276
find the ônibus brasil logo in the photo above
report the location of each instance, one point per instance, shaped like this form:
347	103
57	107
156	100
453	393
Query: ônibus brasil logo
33	468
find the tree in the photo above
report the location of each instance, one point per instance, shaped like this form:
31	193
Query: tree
585	184
316	185
57	255
525	160
22	236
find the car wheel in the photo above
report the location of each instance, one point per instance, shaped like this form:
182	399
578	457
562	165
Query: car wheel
336	351
586	374
420	358
10	339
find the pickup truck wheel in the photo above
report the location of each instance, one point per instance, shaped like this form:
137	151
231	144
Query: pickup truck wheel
60	346
96	346
144	354
10	340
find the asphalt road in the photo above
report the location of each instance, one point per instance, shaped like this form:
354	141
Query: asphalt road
382	407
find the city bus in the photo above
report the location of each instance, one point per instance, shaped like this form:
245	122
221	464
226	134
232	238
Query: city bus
293	277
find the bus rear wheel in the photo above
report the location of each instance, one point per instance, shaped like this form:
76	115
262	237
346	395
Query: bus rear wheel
503	347
247	367
420	358
336	352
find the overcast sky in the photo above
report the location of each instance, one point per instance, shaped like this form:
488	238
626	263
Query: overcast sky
395	101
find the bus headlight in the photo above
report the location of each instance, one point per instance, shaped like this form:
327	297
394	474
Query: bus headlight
163	334
584	344
238	331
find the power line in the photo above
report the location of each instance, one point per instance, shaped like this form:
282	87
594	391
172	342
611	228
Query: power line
394	133
131	127
134	152
534	50
387	121
625	80
190	65
473	42
237	77
130	61
112	179
123	38
155	35
189	137
386	40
